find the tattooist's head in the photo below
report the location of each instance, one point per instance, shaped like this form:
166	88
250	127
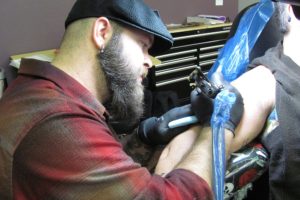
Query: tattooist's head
124	33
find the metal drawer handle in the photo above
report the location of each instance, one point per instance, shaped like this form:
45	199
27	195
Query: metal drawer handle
176	54
207	55
175	62
211	47
200	35
171	71
163	83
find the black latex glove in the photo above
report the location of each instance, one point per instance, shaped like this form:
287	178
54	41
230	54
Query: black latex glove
236	111
237	108
202	105
155	131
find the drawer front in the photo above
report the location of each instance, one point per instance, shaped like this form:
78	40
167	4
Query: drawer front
192	48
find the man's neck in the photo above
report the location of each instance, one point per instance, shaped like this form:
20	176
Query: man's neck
85	71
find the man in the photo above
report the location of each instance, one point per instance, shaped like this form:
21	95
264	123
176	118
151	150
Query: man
55	138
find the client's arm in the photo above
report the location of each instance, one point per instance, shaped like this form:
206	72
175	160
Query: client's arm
257	88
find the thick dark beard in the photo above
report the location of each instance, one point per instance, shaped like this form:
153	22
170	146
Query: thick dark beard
126	103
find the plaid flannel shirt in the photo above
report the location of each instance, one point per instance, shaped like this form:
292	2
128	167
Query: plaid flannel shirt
55	144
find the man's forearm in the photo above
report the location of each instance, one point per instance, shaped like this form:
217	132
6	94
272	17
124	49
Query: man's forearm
176	151
199	159
191	150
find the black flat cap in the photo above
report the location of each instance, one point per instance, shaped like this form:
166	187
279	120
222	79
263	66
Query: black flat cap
134	13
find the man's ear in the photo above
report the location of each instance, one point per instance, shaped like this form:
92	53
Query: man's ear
102	31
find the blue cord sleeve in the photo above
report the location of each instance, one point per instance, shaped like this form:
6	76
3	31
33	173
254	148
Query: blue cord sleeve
222	106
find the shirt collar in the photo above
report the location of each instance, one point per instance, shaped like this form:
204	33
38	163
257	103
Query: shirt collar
45	70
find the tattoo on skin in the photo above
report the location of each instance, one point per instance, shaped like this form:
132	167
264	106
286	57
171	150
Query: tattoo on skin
144	154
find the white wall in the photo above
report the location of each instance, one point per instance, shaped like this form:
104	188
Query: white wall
244	3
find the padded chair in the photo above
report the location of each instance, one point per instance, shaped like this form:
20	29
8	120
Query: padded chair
269	37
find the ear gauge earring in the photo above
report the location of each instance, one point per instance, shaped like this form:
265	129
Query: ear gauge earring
101	50
289	18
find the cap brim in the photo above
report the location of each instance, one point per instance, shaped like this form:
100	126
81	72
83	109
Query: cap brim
160	44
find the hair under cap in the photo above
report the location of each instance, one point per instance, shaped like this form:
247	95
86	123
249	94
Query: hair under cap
295	5
134	13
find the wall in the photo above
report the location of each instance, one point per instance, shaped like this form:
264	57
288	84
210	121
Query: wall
244	3
30	25
175	11
34	25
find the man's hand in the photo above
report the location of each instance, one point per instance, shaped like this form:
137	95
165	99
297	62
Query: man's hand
202	105
236	111
156	131
237	108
